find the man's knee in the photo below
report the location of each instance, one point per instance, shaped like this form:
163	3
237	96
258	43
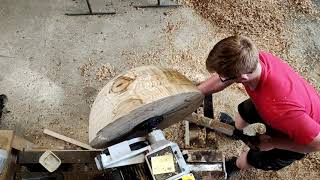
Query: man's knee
242	162
239	122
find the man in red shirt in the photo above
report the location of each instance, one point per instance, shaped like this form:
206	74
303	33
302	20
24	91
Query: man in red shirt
279	97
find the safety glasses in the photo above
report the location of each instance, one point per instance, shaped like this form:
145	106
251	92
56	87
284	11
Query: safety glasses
231	78
226	79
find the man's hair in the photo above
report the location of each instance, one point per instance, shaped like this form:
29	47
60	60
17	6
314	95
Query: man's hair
233	56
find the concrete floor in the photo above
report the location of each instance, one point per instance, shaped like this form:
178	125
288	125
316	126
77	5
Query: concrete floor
42	50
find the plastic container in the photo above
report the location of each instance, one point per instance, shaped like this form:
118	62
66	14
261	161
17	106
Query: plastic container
50	161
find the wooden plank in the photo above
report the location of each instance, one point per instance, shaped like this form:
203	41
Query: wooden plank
22	144
77	157
6	137
67	139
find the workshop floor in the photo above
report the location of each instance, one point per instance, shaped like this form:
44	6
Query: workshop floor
52	66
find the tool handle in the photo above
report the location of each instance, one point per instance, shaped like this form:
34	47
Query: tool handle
252	141
213	124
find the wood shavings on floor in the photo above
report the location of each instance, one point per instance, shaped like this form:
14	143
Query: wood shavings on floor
105	72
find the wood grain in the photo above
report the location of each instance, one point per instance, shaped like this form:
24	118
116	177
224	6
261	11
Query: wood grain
137	95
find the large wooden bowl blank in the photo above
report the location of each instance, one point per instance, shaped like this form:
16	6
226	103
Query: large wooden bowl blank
137	95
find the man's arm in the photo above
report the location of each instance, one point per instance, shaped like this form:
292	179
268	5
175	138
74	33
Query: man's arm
287	144
303	132
213	85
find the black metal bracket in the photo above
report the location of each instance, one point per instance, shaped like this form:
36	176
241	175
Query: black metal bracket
90	13
141	129
3	101
208	106
158	5
149	124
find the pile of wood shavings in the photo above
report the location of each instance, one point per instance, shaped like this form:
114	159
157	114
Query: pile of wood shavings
92	71
302	6
133	58
262	20
105	72
84	69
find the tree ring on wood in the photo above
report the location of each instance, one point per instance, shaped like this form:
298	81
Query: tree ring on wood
137	95
121	84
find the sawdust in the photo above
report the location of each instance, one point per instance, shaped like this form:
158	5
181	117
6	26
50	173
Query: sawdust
92	71
186	61
170	27
302	6
175	134
189	61
133	58
266	23
105	72
85	68
262	20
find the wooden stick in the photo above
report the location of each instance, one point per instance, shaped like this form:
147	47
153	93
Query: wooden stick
186	134
67	139
211	124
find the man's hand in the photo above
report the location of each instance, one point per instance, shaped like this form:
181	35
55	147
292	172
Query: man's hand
265	143
213	85
202	89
